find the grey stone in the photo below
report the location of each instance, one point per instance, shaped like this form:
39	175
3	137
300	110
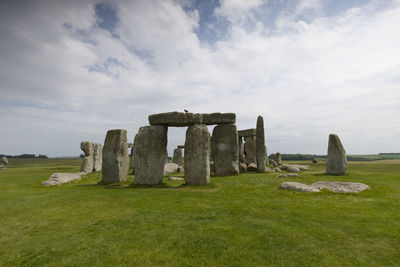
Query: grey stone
212	166
268	169
62	178
115	157
273	163
276	169
336	162
252	167
301	167
242	167
177	158
3	163
225	149
131	161
284	166
278	158
250	149
241	150
170	168
287	175
150	154
87	163
130	145
292	169
261	149
341	187
247	132
97	157
298	187
187	119
197	155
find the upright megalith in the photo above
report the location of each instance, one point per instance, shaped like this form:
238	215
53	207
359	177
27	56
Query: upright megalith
250	149
115	157
197	155
336	162
88	149
225	148
241	150
3	163
178	156
261	149
150	154
278	158
97	157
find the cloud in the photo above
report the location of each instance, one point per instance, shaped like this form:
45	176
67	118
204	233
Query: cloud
65	77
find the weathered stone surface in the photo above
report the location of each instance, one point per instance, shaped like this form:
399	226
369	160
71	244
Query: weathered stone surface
277	169
250	149
341	187
298	187
287	175
187	119
301	167
3	163
273	163
131	163
62	178
197	155
212	152
130	145
284	166
241	150
278	158
178	158
212	165
247	132
150	154
97	157
292	169
336	162
242	167
268	169
87	163
252	167
225	149
115	157
261	149
336	187
170	168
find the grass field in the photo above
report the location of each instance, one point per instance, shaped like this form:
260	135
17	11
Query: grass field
234	221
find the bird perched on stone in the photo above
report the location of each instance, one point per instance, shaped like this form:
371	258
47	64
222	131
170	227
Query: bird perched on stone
186	110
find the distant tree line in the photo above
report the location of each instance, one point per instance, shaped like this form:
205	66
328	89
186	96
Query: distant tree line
297	156
388	154
349	157
25	156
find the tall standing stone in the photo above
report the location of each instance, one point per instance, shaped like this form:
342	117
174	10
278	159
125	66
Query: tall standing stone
225	148
250	149
177	158
336	163
115	157
241	150
278	158
197	155
131	163
3	163
88	149
261	149
150	154
97	157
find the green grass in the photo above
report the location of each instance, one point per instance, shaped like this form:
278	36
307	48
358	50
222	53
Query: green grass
234	221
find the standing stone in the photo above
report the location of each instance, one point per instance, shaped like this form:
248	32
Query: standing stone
336	163
225	148
197	155
88	149
3	163
131	163
211	149
261	149
250	149
241	150
177	158
97	157
150	154
278	158
115	157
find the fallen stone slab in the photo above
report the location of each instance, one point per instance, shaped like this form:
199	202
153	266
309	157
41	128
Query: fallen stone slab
336	187
181	119
287	175
341	187
62	178
298	187
170	168
172	178
293	169
247	132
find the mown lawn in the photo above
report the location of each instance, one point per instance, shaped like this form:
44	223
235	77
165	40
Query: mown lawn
235	221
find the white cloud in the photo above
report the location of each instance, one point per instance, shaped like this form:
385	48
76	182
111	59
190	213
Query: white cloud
336	74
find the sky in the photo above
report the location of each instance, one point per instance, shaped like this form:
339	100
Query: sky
71	70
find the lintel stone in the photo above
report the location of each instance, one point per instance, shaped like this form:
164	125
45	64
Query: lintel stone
247	132
181	119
